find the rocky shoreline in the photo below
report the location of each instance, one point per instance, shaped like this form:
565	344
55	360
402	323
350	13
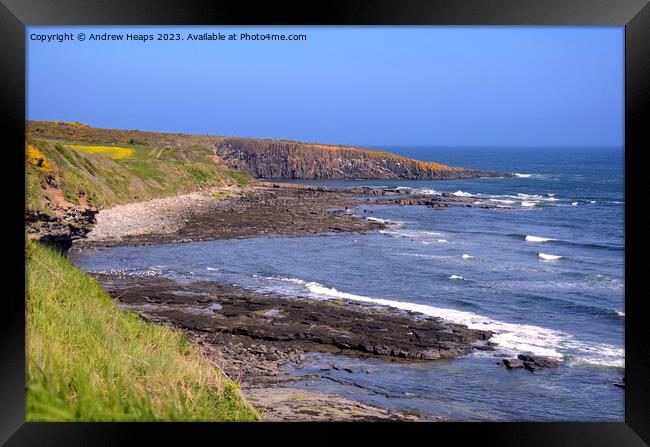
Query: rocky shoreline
267	209
257	338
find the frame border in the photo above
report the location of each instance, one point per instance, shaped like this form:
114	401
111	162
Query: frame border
15	15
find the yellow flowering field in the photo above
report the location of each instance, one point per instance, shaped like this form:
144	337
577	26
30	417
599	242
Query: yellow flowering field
114	152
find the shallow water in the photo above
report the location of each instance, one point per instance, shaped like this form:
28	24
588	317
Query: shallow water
547	276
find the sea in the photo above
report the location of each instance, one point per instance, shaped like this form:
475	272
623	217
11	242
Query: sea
544	271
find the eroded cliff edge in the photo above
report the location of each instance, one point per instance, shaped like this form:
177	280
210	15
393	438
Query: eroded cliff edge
276	159
264	158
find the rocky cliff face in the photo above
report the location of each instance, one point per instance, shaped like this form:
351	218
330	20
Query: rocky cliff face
271	159
267	159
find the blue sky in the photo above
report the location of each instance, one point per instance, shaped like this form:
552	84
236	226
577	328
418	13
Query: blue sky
375	86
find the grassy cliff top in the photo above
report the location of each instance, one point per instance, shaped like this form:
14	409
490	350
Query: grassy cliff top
81	133
72	165
88	360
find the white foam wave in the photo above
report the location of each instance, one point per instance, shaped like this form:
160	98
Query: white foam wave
427	192
524	203
592	201
528	196
443	241
548	257
596	353
457	277
285	279
433	233
398	234
468	257
211	269
522	175
460	193
375	219
574	203
530	238
511	338
620	313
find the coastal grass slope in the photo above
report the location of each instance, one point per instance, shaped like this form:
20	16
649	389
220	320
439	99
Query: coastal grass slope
88	360
258	157
64	173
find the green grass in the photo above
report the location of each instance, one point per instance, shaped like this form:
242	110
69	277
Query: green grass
108	176
88	360
242	178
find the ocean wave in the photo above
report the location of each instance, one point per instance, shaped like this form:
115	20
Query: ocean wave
530	238
548	257
620	313
465	256
574	203
460	193
521	175
212	269
285	279
599	354
443	241
521	195
398	234
457	277
565	242
420	255
427	192
533	197
510	337
524	203
422	191
606	280
375	219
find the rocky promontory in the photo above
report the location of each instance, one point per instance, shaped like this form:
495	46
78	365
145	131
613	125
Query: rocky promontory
279	159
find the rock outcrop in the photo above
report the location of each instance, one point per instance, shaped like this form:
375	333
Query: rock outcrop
530	363
278	159
60	229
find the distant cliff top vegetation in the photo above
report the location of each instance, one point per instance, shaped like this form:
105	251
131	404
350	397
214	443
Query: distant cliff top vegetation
261	158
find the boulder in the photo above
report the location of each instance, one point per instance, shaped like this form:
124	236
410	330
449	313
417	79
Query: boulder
541	362
513	363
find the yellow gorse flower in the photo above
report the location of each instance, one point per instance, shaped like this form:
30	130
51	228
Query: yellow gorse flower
37	159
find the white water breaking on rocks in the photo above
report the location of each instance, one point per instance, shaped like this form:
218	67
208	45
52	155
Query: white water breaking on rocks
530	238
511	338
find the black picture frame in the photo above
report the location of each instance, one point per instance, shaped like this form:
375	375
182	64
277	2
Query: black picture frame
15	15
